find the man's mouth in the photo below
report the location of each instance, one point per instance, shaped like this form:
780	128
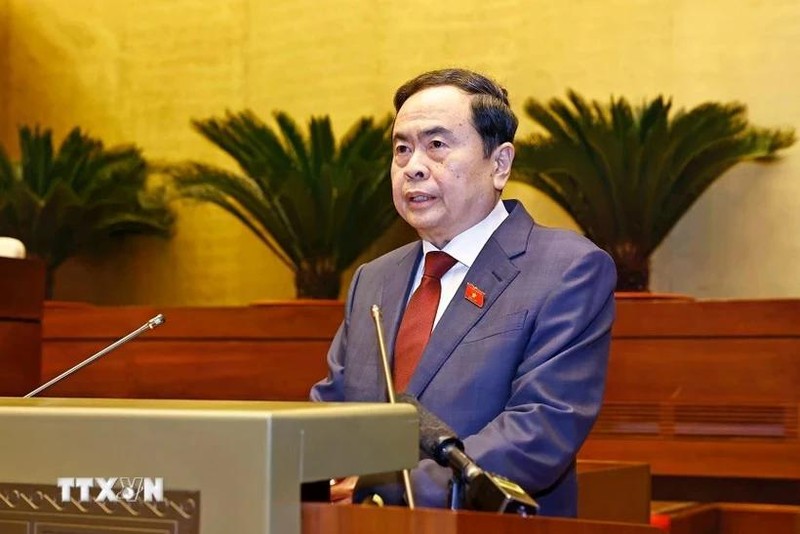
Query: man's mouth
419	197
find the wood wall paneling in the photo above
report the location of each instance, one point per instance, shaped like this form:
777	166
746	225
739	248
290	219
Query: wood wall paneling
20	357
704	389
707	393
21	289
273	352
21	298
719	318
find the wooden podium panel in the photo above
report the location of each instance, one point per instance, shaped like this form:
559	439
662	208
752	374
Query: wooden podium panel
21	298
724	518
349	519
614	491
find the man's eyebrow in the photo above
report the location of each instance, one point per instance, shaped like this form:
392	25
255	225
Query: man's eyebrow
399	136
434	130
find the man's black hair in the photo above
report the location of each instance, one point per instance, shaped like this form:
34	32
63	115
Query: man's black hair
491	113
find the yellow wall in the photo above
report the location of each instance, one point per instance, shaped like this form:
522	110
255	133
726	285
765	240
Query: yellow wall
138	71
4	70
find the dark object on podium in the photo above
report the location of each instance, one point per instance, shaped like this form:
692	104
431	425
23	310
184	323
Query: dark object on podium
21	301
488	492
316	491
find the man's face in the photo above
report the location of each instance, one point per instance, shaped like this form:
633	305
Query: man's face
441	182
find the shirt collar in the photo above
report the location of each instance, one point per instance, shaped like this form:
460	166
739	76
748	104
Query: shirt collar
466	246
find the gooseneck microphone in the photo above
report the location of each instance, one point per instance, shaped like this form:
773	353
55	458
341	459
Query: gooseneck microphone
484	491
158	320
438	441
387	375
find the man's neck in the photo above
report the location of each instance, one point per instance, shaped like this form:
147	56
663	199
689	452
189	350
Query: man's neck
466	245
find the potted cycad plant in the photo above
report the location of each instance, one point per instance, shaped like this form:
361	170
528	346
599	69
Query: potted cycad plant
64	202
315	203
627	174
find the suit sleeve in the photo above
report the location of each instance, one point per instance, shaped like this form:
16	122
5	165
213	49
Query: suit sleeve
331	389
556	392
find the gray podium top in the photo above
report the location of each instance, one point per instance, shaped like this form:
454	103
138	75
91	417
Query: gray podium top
242	461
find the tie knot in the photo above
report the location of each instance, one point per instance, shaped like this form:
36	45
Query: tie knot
438	263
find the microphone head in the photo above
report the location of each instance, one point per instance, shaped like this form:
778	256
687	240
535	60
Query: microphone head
488	492
158	320
434	434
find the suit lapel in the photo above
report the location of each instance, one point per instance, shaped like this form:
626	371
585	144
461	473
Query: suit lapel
492	271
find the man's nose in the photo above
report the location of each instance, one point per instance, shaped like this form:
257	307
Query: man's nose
417	167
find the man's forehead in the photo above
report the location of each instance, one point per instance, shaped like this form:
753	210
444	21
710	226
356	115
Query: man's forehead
440	97
434	110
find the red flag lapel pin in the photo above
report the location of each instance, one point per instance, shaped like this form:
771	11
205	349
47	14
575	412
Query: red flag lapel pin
474	295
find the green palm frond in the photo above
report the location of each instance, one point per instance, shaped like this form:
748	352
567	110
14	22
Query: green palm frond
627	174
317	204
64	202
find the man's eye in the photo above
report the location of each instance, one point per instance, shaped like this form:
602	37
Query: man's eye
401	149
437	144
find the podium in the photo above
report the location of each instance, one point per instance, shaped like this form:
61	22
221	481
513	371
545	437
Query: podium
736	518
335	519
223	466
614	491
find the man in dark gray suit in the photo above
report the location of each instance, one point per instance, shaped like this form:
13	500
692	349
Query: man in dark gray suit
517	355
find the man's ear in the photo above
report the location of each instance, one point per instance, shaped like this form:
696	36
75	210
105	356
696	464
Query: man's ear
502	159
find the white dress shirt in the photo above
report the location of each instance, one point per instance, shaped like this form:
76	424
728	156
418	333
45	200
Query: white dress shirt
464	247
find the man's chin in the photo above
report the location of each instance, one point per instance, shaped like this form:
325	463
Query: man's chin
439	239
421	222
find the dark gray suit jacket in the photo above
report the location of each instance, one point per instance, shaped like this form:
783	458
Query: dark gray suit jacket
520	379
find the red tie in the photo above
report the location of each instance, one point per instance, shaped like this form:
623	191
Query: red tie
417	323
